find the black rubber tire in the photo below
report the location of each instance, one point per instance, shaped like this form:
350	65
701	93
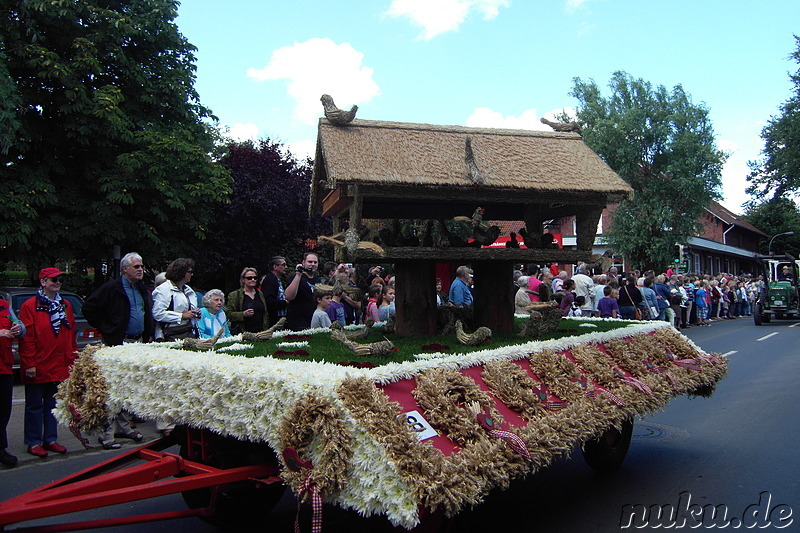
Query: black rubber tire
241	504
766	318
757	314
607	452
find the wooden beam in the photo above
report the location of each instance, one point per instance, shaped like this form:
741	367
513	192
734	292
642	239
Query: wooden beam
470	255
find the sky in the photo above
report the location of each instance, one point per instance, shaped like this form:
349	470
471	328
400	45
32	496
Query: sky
262	65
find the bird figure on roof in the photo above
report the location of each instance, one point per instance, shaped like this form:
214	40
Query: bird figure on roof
474	172
512	240
562	126
476	219
336	116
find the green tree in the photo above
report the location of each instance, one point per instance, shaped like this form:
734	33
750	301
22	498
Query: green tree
104	139
662	144
774	216
778	172
267	215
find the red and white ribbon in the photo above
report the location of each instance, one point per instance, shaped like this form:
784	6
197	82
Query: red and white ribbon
610	395
75	430
686	363
710	358
630	380
310	488
513	440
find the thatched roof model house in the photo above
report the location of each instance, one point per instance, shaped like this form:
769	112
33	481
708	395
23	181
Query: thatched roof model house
388	170
392	170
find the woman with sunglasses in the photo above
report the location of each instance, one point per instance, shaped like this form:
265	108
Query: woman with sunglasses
46	354
247	307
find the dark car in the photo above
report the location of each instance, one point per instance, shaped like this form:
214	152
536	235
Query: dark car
86	333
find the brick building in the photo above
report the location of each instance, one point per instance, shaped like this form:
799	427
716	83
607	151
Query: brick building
726	243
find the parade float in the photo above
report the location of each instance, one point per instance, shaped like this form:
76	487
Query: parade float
405	433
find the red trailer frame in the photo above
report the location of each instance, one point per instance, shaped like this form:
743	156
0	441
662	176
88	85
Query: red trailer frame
142	473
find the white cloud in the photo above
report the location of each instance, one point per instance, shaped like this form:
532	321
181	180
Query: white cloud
574	5
441	16
241	132
302	149
483	117
317	67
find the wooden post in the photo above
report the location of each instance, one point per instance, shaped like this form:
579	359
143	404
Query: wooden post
415	298
586	227
494	295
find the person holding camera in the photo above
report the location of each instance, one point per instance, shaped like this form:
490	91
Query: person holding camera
299	293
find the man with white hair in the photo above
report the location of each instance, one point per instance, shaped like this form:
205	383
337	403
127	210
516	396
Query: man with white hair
122	311
584	286
460	295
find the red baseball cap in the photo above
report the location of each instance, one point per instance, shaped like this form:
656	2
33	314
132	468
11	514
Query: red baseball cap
49	273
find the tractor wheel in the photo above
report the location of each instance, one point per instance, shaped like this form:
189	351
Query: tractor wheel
766	318
238	504
607	452
757	314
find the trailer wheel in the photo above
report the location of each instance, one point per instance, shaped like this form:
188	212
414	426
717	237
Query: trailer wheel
757	314
238	504
607	452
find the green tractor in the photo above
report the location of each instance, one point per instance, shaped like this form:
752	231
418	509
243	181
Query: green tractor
779	297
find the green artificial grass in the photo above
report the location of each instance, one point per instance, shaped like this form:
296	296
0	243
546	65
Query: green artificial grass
322	347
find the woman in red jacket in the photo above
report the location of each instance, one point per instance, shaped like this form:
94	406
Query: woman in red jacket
46	353
9	328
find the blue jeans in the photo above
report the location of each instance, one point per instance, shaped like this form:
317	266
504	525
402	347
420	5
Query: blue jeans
40	424
6	395
628	312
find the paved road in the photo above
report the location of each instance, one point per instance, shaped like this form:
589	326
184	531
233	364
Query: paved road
725	450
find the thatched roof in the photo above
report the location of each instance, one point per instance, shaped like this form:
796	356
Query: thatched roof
390	154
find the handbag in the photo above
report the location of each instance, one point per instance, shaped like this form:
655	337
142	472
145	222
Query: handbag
637	314
179	332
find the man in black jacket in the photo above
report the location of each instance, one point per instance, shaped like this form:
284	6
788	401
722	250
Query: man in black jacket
122	309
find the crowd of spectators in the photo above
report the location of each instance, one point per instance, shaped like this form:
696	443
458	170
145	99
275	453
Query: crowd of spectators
684	300
124	311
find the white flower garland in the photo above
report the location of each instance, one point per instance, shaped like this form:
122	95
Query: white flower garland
248	397
301	344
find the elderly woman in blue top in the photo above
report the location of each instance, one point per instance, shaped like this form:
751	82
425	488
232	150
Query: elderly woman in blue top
212	316
460	295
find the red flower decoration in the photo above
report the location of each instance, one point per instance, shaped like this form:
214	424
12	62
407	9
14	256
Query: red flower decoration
296	353
296	337
435	347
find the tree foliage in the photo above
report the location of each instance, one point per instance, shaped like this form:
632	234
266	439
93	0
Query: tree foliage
774	216
662	144
778	172
104	141
267	215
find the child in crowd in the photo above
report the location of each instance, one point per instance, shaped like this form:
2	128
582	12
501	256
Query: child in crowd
336	310
320	318
576	306
386	309
608	307
374	294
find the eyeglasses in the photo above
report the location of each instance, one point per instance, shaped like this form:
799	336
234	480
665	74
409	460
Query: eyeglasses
137	267
57	279
250	278
190	271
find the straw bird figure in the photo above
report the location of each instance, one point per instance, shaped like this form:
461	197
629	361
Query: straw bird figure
205	344
336	116
263	335
472	339
562	126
